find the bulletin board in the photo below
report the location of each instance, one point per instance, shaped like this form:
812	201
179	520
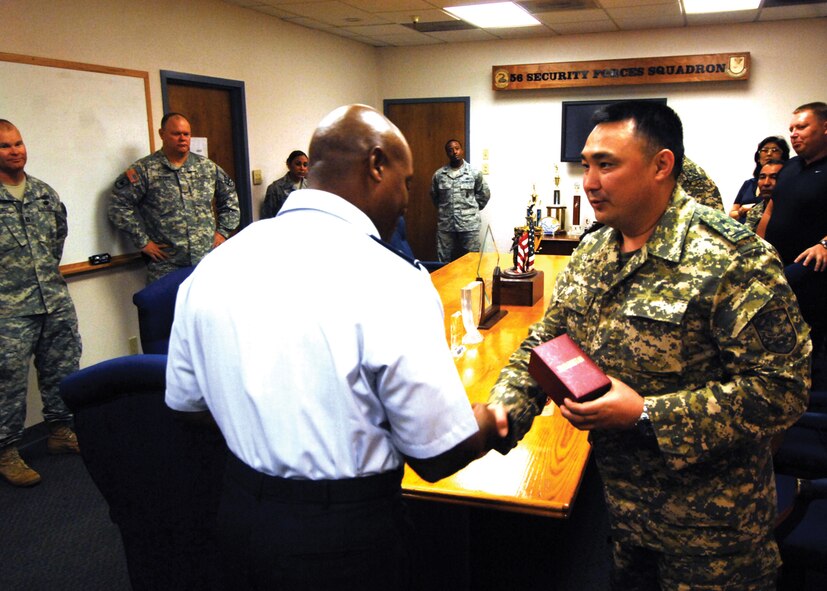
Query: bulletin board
82	124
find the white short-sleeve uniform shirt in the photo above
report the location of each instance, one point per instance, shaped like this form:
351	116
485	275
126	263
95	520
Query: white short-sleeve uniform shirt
320	352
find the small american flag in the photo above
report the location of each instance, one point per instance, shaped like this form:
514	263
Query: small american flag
525	253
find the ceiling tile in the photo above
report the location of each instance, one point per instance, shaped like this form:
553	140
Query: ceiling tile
631	13
571	16
389	5
376	30
560	17
463	36
720	18
425	16
523	32
627	3
334	13
789	12
651	22
585	27
408	40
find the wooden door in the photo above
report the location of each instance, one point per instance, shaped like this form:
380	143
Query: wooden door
209	113
427	125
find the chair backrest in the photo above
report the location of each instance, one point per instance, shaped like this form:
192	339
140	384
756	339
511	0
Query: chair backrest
803	449
156	310
160	476
399	240
801	532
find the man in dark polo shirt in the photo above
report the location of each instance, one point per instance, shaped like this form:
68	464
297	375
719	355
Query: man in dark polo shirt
797	225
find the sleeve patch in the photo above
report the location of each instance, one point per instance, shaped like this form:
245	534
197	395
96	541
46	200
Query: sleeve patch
749	303
132	176
776	331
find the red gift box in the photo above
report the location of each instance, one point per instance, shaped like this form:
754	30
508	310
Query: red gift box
563	370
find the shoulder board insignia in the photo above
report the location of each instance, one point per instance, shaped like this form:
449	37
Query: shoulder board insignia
411	260
730	229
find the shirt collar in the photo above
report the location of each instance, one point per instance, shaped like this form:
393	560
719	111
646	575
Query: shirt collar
330	204
669	235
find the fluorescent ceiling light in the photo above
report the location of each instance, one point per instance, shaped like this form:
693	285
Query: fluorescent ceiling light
498	15
706	6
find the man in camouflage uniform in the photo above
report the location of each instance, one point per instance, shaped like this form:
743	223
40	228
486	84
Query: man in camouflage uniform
689	314
37	316
696	183
460	193
164	202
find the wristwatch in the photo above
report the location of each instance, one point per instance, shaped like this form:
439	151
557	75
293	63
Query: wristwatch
823	242
644	423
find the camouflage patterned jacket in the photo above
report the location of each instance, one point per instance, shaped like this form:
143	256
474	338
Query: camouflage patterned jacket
152	200
459	196
755	214
696	183
702	323
32	233
277	193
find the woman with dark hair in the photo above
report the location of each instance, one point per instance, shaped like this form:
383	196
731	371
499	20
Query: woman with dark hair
770	148
277	192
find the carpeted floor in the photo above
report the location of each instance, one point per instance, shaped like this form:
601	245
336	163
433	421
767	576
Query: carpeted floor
57	535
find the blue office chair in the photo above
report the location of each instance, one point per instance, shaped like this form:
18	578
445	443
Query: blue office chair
156	309
801	533
399	241
803	449
160	476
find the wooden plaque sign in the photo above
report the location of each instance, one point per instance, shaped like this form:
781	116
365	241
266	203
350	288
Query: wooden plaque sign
711	67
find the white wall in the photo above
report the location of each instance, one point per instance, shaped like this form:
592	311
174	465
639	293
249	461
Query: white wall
723	122
293	76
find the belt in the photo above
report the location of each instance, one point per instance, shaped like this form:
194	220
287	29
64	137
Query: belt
320	492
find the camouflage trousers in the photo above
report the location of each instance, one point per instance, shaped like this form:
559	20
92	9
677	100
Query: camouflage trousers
156	270
54	341
452	245
640	569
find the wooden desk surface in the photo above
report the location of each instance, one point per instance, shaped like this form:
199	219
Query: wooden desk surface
542	474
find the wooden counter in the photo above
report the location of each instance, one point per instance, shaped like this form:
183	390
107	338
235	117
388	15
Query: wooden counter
542	474
558	244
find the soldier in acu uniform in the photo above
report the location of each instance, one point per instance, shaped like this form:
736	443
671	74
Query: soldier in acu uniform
37	316
460	193
164	202
689	314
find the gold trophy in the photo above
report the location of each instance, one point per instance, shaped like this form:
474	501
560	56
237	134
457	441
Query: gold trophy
555	223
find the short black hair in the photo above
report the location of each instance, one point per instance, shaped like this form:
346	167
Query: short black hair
655	123
449	141
293	155
771	139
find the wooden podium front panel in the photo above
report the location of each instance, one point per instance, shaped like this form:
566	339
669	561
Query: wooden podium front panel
542	474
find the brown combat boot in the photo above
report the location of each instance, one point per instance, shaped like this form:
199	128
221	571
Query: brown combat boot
62	440
15	470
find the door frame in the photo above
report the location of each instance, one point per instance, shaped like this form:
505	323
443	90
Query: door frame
238	108
447	99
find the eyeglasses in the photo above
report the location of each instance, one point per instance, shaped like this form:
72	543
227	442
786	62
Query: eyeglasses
770	150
